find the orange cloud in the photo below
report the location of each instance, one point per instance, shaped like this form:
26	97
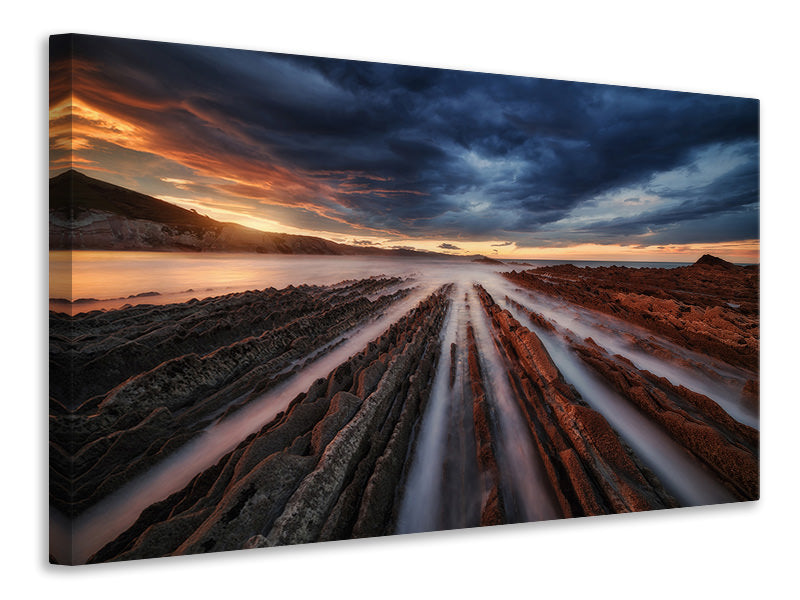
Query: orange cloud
89	112
86	112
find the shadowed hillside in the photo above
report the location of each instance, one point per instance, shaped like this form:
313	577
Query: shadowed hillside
90	214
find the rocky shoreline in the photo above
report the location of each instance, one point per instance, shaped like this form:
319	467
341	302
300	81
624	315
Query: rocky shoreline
711	307
131	386
342	459
329	467
590	469
692	307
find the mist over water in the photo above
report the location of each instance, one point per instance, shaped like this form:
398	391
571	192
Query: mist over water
111	278
680	473
613	334
527	487
438	489
422	500
112	515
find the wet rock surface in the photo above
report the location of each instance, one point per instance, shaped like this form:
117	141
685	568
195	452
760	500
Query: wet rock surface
492	506
329	467
727	447
471	401
590	469
711	307
131	386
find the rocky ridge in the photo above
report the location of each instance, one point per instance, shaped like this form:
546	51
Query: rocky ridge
590	469
725	446
133	385
338	462
329	467
710	307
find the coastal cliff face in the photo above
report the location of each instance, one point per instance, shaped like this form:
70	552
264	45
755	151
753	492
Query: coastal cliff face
102	230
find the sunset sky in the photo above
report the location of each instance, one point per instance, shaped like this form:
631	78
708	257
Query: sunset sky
375	154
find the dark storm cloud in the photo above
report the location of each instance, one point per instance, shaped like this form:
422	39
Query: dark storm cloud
446	246
724	210
435	153
731	199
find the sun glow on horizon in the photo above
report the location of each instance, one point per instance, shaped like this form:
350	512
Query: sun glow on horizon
178	149
745	251
228	215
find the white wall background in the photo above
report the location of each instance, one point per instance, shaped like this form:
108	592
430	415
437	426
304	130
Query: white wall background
733	48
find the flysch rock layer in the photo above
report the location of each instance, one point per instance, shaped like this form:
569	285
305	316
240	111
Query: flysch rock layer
590	469
130	386
710	307
334	464
727	447
330	467
492	506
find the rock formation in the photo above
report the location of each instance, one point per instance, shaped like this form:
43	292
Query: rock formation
492	510
698	423
341	459
131	386
329	467
592	472
710	307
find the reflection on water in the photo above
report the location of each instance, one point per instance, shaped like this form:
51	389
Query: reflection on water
114	278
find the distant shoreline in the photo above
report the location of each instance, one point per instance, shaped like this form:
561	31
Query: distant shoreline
431	256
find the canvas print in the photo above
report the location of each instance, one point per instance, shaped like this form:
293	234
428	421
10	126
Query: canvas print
298	299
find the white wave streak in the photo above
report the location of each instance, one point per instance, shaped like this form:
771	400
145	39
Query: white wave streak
682	475
520	467
115	513
724	387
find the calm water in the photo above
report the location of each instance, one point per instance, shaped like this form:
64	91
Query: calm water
111	278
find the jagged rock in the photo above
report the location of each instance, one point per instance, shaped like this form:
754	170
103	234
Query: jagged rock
590	470
165	371
329	465
728	447
342	408
492	509
709	307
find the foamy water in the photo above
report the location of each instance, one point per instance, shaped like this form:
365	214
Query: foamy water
677	469
526	485
421	503
724	388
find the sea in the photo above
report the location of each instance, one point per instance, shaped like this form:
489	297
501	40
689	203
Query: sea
86	280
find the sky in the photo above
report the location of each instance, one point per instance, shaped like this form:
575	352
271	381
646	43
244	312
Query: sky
399	156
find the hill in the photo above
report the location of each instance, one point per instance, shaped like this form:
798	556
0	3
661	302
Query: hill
90	214
714	261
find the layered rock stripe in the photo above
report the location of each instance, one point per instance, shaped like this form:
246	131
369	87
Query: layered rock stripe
334	464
